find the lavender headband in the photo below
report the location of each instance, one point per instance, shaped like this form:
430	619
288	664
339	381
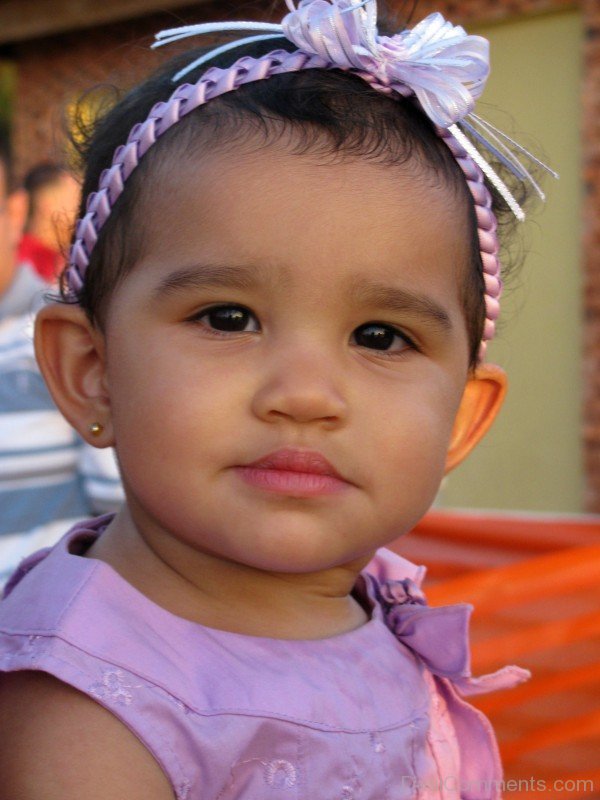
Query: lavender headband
437	62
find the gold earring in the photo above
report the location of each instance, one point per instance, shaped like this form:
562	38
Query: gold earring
96	428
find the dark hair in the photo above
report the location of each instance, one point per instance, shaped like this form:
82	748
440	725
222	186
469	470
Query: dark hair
328	111
6	160
40	177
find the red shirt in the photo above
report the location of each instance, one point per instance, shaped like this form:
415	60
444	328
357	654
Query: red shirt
46	261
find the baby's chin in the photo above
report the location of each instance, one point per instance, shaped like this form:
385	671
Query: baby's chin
299	564
295	541
298	553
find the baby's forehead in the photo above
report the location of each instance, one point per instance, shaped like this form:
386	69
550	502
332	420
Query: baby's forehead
348	235
302	199
260	168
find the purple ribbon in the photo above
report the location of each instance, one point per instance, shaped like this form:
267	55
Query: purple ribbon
440	637
445	68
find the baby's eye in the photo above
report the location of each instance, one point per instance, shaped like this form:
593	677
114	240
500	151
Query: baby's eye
227	319
231	318
378	336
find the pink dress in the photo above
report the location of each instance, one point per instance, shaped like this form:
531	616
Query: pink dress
372	714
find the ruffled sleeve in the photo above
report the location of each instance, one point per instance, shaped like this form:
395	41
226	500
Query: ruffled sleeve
439	636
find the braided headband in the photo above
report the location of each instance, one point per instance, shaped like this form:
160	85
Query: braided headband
438	63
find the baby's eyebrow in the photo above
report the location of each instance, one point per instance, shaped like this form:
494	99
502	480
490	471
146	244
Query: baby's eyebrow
203	276
361	291
392	298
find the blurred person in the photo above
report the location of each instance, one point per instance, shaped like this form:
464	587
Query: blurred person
20	287
47	474
53	200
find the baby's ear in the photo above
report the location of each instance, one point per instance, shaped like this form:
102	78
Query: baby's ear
70	352
481	402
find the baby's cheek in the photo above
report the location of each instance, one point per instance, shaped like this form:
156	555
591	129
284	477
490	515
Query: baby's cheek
412	455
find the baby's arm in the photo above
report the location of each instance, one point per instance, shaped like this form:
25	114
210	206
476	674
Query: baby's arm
58	744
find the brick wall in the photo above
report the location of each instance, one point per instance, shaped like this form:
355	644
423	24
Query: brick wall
55	71
52	72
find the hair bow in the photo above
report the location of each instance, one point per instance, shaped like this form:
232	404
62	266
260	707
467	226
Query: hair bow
441	64
444	67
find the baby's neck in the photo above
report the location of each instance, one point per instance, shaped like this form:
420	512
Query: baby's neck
234	597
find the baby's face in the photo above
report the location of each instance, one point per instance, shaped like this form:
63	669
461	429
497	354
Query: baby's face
287	303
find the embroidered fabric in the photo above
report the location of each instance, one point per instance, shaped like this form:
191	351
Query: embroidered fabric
375	713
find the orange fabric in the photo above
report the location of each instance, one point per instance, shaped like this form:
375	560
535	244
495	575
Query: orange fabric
535	585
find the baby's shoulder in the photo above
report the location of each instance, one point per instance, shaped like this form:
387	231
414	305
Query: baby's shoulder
57	743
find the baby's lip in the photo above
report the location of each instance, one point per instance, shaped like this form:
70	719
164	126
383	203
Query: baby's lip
293	459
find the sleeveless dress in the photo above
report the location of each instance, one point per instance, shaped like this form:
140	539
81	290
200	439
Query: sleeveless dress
372	714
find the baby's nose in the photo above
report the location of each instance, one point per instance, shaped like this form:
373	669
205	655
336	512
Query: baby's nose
304	385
